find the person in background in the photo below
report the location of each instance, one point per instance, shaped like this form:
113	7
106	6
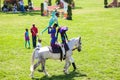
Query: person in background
39	45
34	32
27	39
14	8
21	3
45	7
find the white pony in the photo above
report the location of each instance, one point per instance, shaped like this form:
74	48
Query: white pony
44	53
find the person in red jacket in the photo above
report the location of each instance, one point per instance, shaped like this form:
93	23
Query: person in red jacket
34	32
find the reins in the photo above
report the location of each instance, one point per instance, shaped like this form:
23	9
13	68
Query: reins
74	49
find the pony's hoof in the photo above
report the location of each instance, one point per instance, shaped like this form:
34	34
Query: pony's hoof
65	72
47	75
31	76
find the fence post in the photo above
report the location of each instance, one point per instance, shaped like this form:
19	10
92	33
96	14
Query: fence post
49	3
29	1
0	6
69	13
42	9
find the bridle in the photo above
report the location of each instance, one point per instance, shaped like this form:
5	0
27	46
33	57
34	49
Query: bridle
78	47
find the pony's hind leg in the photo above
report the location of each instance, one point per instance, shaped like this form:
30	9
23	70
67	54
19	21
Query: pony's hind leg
33	68
32	71
37	64
43	67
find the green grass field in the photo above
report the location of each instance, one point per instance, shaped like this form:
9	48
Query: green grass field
100	55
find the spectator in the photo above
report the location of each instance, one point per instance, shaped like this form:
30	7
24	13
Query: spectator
5	7
15	8
27	39
45	7
34	32
65	5
39	45
30	6
21	3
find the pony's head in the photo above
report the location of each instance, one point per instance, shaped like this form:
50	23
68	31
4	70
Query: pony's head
79	45
75	42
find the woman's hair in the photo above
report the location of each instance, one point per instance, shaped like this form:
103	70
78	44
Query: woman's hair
39	40
26	29
55	25
57	14
33	24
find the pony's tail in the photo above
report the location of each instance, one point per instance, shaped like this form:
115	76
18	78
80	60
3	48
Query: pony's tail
32	62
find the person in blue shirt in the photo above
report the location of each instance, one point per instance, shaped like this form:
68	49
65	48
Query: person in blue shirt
52	31
27	39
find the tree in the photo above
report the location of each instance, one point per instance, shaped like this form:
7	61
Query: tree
69	13
42	9
29	1
49	3
105	3
58	2
68	1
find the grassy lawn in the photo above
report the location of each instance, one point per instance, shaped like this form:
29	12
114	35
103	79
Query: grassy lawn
100	32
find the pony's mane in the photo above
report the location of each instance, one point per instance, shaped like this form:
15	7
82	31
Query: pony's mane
73	39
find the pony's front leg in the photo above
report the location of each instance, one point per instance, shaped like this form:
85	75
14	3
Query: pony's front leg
73	63
67	64
32	74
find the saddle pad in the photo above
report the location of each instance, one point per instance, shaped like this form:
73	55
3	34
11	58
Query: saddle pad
54	50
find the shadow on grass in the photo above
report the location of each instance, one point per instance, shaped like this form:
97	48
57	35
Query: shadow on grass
78	8
69	76
32	13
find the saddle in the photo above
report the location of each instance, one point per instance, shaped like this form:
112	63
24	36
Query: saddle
56	50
